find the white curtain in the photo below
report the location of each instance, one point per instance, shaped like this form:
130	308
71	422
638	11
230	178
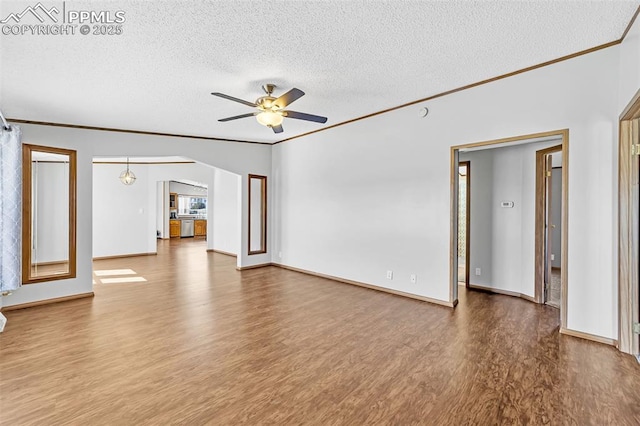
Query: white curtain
10	208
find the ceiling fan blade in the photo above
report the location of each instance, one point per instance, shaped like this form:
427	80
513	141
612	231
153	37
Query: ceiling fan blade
231	98
289	97
303	116
235	117
277	129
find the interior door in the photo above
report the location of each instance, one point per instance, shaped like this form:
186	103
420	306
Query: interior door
548	226
464	220
634	234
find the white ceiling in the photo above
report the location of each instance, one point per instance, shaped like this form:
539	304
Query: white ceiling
351	58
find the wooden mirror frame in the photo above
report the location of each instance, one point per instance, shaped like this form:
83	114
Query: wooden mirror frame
27	151
263	215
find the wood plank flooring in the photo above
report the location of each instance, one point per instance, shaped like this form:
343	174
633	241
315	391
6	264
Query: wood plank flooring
201	343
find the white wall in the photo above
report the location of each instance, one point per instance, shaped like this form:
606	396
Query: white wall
481	216
226	226
167	213
120	212
374	195
629	77
162	210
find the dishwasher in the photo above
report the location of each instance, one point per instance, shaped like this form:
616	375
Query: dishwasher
186	228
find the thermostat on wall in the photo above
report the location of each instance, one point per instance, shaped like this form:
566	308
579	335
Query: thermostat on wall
506	204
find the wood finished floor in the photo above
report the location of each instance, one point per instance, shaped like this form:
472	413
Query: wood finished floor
201	343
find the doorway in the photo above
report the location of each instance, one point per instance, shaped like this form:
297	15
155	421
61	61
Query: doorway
503	265
464	221
549	226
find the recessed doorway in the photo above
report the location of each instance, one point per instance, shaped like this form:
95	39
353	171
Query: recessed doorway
509	246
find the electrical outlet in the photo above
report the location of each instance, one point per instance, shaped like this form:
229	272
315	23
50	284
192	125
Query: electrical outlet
389	275
280	254
553	257
478	271
413	278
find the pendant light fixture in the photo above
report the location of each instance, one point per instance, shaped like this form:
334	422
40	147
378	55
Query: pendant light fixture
127	177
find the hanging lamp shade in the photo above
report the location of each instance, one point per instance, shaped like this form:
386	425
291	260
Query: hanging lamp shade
127	177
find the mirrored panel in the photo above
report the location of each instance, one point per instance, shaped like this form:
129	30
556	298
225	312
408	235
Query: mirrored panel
257	214
48	214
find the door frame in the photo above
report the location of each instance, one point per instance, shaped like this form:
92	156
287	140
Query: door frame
628	230
563	134
543	198
467	243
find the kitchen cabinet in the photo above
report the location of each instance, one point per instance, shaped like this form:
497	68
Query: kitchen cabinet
200	228
173	201
174	228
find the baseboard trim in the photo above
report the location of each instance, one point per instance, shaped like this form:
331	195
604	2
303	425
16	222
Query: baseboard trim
370	286
46	302
226	253
120	256
588	336
261	265
504	292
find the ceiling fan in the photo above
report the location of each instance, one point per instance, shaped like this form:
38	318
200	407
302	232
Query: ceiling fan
270	110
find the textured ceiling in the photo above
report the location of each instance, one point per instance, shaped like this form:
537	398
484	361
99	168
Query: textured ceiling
351	58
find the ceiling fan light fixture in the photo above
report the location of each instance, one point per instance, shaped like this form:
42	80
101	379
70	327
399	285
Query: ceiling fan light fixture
270	110
269	118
